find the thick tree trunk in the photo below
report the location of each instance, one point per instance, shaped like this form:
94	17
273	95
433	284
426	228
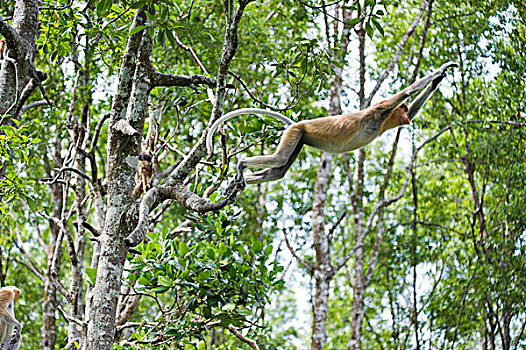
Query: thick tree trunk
21	51
17	59
129	106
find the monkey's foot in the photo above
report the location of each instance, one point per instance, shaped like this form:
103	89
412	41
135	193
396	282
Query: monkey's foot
235	186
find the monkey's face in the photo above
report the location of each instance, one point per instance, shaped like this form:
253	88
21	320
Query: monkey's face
397	118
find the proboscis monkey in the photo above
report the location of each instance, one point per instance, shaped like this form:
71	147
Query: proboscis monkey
8	297
333	134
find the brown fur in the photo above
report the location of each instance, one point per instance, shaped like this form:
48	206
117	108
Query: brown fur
8	297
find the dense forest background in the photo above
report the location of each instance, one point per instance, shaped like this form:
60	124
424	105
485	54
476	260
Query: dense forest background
417	241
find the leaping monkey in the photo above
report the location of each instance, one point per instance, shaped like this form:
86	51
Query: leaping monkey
333	134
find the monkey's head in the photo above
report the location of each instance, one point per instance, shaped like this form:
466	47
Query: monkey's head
398	117
9	293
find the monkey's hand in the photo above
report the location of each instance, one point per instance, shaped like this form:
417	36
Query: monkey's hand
447	65
442	69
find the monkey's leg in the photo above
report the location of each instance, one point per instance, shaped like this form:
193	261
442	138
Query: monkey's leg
273	174
289	141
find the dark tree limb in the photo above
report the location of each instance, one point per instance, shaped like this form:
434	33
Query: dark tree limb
160	79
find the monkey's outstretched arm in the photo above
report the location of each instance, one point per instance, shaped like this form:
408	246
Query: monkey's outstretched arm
418	85
419	101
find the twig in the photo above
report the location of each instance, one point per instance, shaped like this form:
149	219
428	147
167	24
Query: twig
33	105
192	53
308	266
98	129
241	337
398	53
69	318
507	122
50	181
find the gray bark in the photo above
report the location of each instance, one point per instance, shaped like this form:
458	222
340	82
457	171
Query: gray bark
48	332
128	114
322	247
323	271
20	40
130	105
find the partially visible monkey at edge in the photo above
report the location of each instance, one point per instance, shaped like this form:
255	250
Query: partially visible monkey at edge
333	134
8	297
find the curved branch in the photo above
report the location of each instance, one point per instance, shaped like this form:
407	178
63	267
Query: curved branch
50	181
308	266
241	337
171	190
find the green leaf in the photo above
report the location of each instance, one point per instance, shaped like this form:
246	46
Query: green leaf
204	275
171	37
192	304
144	281
243	311
139	4
165	281
377	25
257	246
137	29
369	29
92	275
183	248
353	21
160	290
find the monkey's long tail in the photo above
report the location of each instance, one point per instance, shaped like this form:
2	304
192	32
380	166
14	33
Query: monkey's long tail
230	115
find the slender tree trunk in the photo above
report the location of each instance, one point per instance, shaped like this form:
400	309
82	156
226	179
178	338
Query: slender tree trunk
322	246
506	321
357	313
48	334
20	54
323	269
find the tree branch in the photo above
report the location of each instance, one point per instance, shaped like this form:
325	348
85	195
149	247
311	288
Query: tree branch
397	54
308	266
160	79
241	337
173	188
